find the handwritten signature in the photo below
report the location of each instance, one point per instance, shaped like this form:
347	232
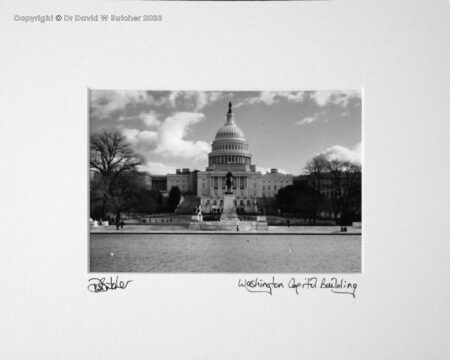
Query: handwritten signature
97	285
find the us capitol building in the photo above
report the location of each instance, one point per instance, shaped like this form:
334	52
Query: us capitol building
230	152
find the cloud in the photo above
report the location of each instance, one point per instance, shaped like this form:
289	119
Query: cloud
204	98
104	103
124	105
340	98
338	152
271	97
173	98
157	168
168	137
310	119
150	119
262	169
265	97
306	121
172	133
142	141
193	100
292	96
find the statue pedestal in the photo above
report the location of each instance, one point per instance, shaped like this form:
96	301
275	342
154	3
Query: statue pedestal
228	218
229	208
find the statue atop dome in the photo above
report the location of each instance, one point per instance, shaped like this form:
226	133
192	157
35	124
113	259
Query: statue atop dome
230	120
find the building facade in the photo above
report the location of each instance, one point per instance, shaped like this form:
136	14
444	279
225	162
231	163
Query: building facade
230	152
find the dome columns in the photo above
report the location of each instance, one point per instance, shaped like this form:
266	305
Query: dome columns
229	159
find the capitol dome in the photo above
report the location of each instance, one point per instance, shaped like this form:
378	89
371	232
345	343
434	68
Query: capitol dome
230	130
229	148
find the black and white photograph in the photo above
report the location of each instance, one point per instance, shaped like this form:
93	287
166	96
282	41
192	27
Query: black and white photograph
216	180
225	181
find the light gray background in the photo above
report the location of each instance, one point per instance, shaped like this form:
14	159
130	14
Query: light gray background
397	50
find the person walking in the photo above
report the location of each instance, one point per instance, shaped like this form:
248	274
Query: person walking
122	224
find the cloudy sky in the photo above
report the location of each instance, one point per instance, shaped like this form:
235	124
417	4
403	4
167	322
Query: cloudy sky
174	129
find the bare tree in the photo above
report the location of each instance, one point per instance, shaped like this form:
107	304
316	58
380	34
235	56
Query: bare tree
345	187
342	182
316	168
110	158
351	192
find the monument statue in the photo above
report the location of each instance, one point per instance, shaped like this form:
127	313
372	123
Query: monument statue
229	108
229	182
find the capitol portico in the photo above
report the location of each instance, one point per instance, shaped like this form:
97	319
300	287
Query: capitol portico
230	152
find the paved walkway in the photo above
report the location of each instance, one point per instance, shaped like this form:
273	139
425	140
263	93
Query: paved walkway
166	229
